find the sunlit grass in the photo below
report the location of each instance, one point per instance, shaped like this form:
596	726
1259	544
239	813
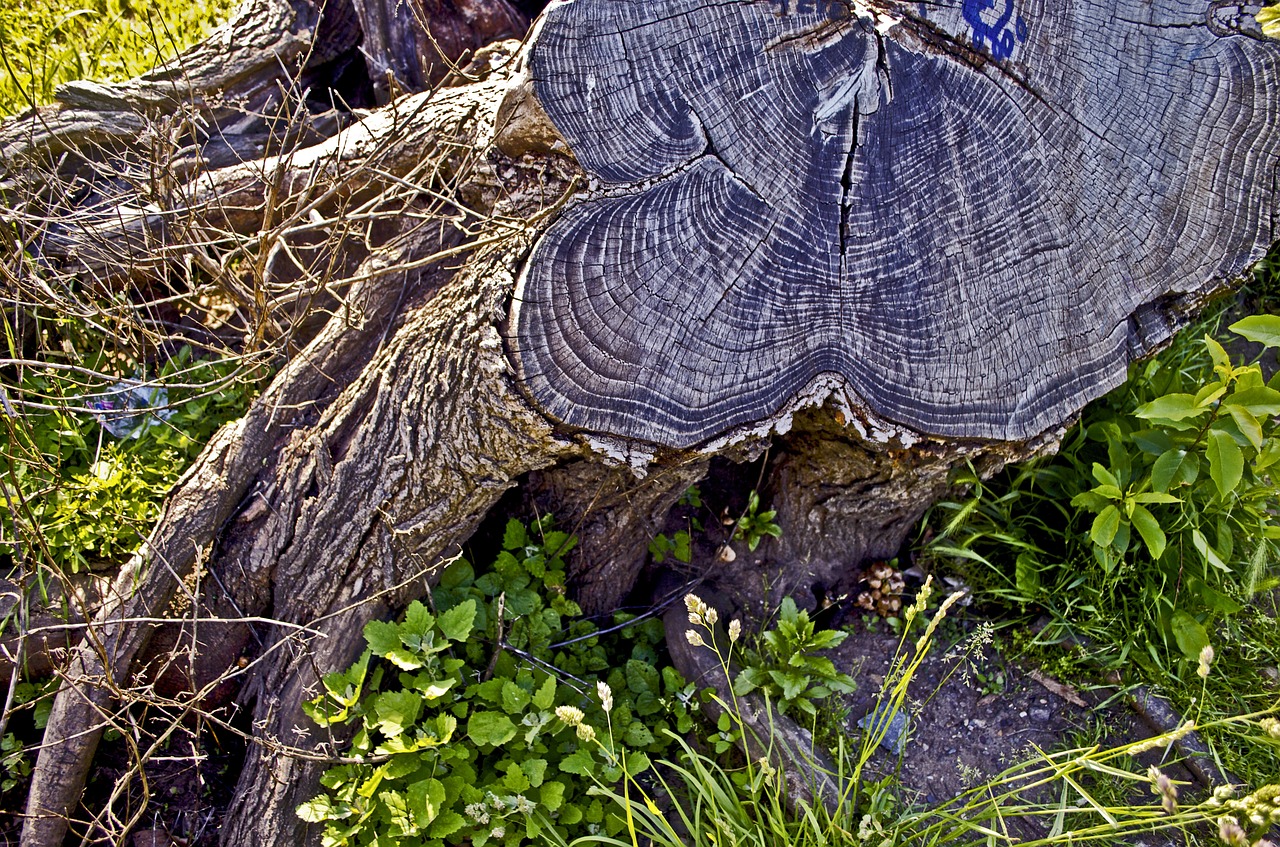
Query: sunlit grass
48	42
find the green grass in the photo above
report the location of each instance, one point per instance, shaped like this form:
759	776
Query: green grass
48	42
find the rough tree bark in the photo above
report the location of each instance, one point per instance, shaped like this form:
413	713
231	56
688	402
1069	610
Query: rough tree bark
879	238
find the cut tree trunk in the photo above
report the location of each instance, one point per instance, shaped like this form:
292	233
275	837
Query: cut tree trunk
874	239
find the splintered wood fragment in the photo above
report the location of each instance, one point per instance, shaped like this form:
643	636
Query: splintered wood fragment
969	217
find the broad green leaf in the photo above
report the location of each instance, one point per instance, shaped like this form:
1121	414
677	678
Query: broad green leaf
446	824
417	622
514	537
545	696
1171	407
578	762
514	698
1154	497
397	711
1262	329
1226	462
551	795
643	677
1210	555
1260	402
457	575
637	735
426	800
404	659
1247	424
1212	598
402	822
456	623
1216	352
315	810
1149	528
1105	477
1189	633
637	763
1027	575
1105	526
492	728
383	637
535	770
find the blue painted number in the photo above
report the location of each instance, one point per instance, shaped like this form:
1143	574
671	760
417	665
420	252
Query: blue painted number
1001	36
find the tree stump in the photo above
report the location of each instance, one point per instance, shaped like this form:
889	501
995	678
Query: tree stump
877	238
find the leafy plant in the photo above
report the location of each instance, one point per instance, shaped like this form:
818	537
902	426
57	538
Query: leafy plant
754	524
455	710
1154	520
90	497
786	666
678	547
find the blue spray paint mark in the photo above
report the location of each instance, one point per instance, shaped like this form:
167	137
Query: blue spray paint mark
998	35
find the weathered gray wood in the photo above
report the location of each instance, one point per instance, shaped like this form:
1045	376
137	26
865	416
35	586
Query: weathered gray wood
976	217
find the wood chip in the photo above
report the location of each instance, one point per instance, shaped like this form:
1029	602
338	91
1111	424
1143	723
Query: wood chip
1066	692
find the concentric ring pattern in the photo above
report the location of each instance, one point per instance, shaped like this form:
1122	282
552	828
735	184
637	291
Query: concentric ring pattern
969	209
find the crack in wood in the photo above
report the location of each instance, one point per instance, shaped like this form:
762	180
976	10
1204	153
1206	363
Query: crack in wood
969	258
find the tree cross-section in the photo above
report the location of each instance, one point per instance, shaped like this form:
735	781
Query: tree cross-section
976	212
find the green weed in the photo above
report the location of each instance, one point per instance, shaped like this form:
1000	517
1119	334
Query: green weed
47	43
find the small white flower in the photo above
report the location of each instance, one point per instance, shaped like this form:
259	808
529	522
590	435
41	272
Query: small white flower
735	629
524	805
712	616
694	638
586	732
606	695
498	833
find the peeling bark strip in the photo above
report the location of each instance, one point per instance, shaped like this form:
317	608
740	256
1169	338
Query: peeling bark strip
977	212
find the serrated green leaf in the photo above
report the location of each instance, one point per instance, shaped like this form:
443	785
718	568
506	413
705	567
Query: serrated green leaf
396	711
492	728
456	623
1261	329
578	762
1149	528
404	659
417	621
1226	462
446	824
1105	526
515	780
383	637
535	770
315	810
514	537
514	698
551	795
546	694
426	800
